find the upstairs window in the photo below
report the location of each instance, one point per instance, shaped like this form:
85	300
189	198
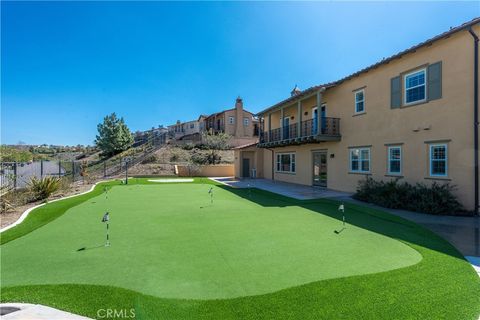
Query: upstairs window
192	125
360	101
415	88
245	122
360	160
231	120
438	160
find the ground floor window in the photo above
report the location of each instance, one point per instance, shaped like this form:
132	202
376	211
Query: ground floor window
438	160
286	162
395	160
360	160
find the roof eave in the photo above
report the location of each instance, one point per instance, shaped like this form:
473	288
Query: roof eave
462	27
305	94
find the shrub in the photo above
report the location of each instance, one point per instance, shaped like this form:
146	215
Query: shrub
174	157
150	159
202	146
42	188
199	158
188	146
434	199
179	155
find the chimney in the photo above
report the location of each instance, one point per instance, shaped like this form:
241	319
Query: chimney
295	91
239	103
239	131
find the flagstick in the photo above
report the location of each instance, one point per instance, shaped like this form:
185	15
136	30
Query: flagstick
211	195
106	219
107	244
341	208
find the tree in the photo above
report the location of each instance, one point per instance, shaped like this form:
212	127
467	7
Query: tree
215	142
113	135
12	154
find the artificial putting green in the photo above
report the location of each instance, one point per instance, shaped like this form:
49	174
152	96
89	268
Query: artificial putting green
170	241
175	255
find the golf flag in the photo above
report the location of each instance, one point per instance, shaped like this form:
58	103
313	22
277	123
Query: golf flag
211	194
106	217
341	208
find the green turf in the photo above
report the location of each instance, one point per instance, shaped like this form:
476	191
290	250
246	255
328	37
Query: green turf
264	255
172	242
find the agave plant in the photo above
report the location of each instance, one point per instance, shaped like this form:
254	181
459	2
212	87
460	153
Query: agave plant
43	188
5	204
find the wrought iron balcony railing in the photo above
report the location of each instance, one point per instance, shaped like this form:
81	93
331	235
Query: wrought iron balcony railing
309	131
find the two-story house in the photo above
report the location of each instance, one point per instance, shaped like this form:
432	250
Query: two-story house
239	123
412	116
189	130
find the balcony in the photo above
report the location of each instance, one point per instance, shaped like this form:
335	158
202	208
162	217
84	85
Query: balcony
309	133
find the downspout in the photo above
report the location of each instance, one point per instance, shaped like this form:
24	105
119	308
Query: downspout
273	163
475	117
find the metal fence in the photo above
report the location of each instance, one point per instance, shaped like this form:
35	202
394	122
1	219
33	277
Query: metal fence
17	175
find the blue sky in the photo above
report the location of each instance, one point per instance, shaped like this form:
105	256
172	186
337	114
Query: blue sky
65	65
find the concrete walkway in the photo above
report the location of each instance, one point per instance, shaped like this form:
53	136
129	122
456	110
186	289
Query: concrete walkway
25	311
291	190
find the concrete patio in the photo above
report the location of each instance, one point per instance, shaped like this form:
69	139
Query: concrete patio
291	190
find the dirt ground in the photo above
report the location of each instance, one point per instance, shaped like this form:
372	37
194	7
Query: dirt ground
10	217
163	162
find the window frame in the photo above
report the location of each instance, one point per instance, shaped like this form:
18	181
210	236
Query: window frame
405	76
246	122
278	164
360	160
430	159
389	160
231	120
362	101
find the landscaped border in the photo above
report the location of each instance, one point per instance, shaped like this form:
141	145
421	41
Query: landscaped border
27	212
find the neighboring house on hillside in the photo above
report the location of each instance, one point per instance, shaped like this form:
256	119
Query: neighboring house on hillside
158	134
239	123
189	130
245	130
412	116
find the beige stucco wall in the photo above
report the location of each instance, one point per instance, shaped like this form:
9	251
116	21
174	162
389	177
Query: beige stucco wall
195	129
256	158
206	171
446	119
238	129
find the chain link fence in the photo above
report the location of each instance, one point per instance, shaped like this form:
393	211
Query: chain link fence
17	175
